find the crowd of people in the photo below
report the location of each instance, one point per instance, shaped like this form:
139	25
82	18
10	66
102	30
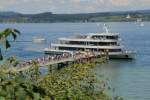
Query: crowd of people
46	59
51	58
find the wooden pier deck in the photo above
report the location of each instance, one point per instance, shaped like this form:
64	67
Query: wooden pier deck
65	59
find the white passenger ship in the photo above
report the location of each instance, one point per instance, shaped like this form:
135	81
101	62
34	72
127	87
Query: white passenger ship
95	42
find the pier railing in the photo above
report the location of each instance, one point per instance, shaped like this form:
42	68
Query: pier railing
56	59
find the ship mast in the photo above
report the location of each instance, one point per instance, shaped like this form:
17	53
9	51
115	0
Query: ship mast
106	28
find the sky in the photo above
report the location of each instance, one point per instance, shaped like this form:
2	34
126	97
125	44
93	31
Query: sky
72	6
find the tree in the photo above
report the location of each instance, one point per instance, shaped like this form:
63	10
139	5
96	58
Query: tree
4	38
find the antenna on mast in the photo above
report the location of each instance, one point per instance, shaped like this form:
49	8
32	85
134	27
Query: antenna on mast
106	28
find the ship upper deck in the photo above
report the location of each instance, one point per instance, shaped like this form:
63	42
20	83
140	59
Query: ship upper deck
87	46
88	40
93	37
104	34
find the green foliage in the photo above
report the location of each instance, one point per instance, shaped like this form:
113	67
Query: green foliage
3	38
74	82
89	17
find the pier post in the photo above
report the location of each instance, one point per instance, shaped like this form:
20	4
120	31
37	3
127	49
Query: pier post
107	54
60	66
50	69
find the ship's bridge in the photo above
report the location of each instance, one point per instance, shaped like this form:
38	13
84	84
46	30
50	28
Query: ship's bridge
103	34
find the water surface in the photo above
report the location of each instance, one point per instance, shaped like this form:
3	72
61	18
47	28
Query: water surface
131	79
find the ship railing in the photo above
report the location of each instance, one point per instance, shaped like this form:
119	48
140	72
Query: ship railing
87	38
129	51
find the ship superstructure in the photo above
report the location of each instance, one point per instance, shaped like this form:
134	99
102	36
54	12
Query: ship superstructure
95	42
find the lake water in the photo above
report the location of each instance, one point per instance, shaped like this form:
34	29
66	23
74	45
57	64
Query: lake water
130	78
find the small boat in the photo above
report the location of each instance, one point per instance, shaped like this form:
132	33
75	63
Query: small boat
141	24
38	40
139	20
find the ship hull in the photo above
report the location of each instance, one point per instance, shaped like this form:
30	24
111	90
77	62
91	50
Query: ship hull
112	55
130	55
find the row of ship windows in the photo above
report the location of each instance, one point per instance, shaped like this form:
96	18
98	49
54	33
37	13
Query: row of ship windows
105	37
82	49
91	43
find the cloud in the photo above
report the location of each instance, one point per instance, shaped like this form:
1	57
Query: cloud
130	2
143	2
72	6
121	2
4	4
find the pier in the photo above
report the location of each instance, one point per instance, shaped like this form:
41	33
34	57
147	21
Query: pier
61	60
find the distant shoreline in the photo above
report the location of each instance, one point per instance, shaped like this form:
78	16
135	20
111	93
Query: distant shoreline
66	22
48	17
4	21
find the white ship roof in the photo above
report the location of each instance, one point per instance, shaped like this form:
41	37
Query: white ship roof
86	46
87	40
104	34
